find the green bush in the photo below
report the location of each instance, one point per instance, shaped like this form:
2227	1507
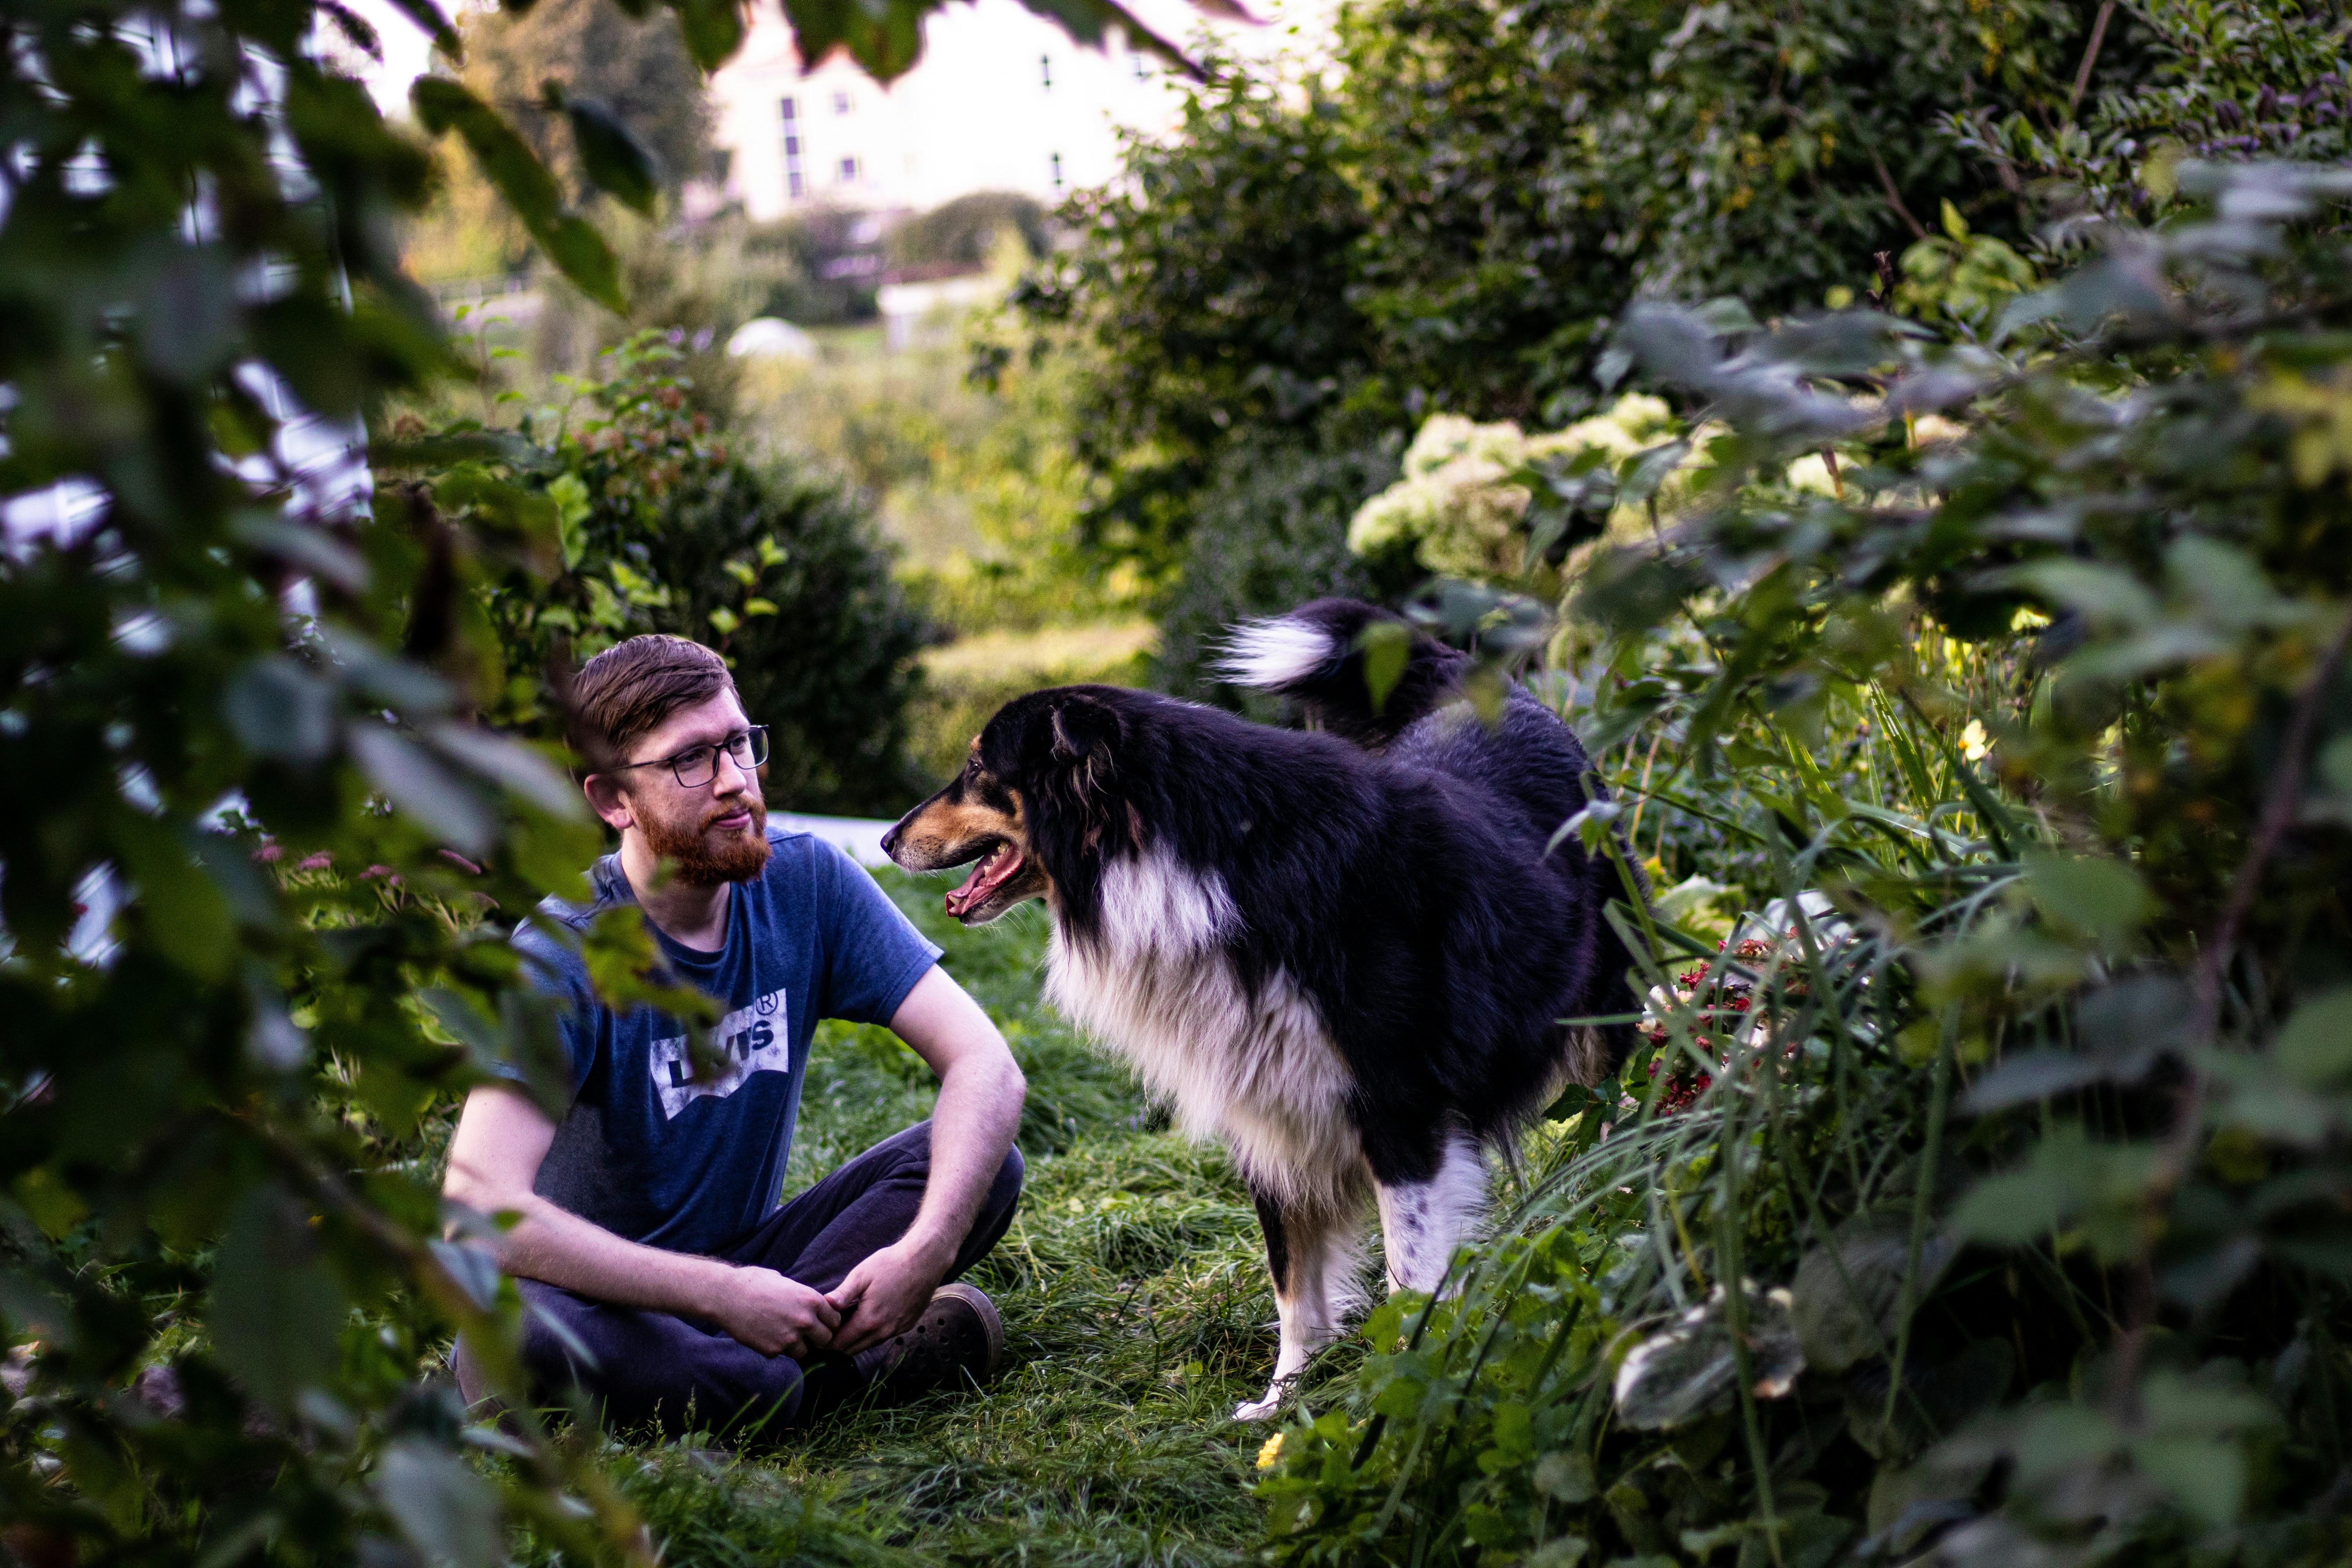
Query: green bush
257	852
694	288
830	261
979	488
664	528
250	829
970	230
1981	1200
1207	310
1530	170
1270	532
1310	267
2227	79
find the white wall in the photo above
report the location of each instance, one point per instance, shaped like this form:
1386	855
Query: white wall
1001	101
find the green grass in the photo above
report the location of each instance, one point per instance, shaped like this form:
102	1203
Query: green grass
1136	1310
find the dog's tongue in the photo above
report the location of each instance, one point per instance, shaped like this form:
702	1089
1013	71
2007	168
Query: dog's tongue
993	873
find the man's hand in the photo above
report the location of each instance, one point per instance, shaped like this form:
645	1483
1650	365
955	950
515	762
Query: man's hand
978	1111
775	1315
883	1294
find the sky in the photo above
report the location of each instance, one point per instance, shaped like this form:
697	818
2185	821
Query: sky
407	53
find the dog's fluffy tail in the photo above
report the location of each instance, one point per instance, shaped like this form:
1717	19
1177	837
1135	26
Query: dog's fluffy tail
1325	656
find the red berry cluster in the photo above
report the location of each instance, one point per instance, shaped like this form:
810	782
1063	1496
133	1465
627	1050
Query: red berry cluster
1721	996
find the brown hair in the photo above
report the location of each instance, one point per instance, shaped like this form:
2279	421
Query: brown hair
625	692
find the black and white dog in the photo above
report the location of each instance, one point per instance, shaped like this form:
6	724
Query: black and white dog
1344	951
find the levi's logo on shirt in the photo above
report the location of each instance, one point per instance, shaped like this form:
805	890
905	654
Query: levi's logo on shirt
748	1040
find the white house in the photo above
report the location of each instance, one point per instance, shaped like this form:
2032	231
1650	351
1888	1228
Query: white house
1001	101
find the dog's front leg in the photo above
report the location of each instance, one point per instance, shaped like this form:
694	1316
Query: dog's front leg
1307	1253
1427	1209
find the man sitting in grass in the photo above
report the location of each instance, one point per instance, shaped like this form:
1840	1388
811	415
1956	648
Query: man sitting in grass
660	1273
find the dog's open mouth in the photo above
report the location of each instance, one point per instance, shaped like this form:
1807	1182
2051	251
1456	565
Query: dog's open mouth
995	868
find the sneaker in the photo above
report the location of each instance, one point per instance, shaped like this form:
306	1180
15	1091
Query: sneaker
958	1337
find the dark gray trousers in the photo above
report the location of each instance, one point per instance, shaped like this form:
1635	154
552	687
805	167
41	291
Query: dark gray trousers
684	1374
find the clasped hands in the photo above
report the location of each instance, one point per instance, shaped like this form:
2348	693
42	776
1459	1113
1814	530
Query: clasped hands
777	1315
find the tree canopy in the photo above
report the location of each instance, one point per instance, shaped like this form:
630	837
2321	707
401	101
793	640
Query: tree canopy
635	70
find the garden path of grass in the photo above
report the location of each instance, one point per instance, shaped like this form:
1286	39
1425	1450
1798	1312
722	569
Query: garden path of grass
1136	1310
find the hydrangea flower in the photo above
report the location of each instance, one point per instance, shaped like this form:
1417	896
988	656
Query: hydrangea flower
1457	505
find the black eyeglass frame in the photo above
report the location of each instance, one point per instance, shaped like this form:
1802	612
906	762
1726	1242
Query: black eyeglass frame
754	740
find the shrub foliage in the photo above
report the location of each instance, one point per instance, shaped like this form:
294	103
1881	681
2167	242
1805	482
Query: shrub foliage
1457	222
256	851
663	528
1979	1201
1271	300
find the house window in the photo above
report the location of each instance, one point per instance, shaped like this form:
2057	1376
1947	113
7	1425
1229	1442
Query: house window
850	170
795	182
1045	69
840	103
1056	158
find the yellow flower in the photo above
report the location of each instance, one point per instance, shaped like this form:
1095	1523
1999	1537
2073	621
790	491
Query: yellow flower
1975	744
1271	1455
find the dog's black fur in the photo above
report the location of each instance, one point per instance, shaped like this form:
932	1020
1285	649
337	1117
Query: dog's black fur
1398	875
1393	864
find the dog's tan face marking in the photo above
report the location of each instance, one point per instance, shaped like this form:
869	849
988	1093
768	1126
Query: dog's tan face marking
976	818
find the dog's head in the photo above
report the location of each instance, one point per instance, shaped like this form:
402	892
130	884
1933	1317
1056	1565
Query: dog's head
1037	792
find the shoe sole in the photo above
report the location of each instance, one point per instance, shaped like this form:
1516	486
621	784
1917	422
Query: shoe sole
991	1324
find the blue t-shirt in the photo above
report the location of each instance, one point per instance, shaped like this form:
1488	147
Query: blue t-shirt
656	1158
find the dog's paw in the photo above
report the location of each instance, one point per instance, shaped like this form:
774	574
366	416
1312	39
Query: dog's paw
1259	1409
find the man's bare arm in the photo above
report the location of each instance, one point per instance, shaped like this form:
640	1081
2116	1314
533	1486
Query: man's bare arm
495	1157
972	1127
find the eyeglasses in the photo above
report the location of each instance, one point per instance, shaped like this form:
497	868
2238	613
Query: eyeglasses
698	765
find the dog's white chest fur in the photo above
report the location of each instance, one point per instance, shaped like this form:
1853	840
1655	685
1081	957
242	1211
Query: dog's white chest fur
1259	1072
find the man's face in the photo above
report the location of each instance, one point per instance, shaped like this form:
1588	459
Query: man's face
715	832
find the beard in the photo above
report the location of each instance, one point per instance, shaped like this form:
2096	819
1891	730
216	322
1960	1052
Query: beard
703	861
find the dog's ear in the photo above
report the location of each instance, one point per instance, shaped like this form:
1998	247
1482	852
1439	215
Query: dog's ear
1085	766
1082	727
